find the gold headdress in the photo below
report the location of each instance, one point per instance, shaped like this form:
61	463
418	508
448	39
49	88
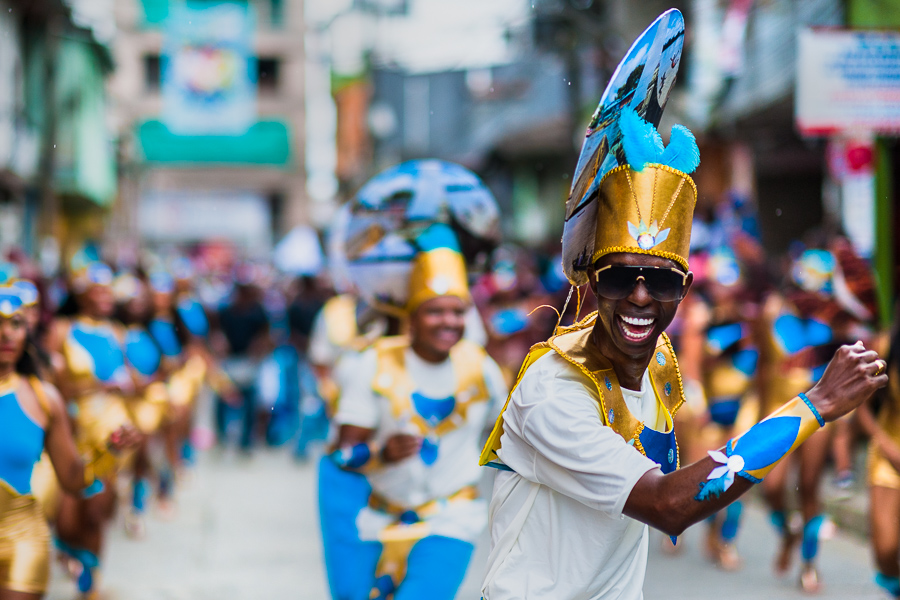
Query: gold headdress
647	205
646	212
438	269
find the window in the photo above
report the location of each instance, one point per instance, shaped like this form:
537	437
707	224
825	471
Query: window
267	73
152	72
276	13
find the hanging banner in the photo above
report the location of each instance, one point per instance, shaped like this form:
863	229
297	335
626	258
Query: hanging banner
209	71
848	80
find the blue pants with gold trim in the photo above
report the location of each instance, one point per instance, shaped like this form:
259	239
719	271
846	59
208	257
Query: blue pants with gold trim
349	563
435	569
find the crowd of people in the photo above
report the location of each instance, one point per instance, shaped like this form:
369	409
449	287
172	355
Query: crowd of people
102	369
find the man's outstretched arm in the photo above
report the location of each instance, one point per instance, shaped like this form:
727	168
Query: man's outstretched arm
673	502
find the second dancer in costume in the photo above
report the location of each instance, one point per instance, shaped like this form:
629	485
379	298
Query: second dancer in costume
411	420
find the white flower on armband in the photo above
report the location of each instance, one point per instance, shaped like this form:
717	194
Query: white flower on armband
731	465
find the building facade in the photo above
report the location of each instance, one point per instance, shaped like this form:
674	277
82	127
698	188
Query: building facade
231	170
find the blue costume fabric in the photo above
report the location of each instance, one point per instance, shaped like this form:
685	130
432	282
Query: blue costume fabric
192	314
794	334
436	567
21	444
163	331
142	352
103	346
349	562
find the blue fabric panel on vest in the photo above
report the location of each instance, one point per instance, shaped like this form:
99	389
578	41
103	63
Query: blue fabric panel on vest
142	351
429	451
433	410
722	337
745	361
661	448
164	334
104	349
194	317
21	443
725	412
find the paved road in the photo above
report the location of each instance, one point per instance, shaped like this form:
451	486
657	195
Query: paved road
247	530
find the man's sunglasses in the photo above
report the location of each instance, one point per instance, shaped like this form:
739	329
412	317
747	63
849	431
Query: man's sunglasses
664	284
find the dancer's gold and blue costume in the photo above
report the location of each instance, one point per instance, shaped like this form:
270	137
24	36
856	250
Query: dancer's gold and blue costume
24	532
424	530
362	535
95	377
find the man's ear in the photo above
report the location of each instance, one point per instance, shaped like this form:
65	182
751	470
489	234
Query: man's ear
592	279
687	283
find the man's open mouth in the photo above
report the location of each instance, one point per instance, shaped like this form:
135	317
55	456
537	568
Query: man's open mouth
636	329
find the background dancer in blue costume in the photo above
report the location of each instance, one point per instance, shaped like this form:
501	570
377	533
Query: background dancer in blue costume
813	314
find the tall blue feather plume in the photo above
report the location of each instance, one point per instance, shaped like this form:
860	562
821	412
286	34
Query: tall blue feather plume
682	152
640	140
643	145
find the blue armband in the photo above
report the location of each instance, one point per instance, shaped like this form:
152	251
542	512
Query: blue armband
753	454
353	457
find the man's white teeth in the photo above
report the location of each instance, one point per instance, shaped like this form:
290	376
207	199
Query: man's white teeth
636	321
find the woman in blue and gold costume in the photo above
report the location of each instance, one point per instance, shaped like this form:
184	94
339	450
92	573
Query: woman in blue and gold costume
32	419
150	406
718	336
830	301
96	381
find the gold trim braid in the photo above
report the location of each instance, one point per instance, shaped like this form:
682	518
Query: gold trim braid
573	344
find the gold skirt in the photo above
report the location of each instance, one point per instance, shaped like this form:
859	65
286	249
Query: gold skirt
45	487
185	383
97	416
152	409
24	544
880	472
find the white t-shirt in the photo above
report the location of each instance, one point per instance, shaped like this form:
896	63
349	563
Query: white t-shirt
557	528
411	482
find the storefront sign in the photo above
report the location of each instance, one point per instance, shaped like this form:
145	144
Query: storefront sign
209	80
848	81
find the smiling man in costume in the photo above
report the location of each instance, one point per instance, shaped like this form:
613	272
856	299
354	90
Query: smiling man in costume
411	419
585	445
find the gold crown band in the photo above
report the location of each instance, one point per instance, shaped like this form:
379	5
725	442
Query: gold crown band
627	219
439	272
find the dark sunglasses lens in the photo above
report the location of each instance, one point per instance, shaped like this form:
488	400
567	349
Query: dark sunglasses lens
616	283
664	285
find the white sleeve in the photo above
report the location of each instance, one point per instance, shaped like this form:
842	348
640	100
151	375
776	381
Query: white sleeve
358	403
496	388
321	351
555	414
475	330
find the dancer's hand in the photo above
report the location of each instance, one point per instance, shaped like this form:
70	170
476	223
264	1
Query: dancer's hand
851	378
400	446
123	438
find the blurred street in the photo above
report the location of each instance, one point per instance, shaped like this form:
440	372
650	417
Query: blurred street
248	528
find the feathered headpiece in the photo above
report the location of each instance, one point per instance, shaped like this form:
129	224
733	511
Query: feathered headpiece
646	206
